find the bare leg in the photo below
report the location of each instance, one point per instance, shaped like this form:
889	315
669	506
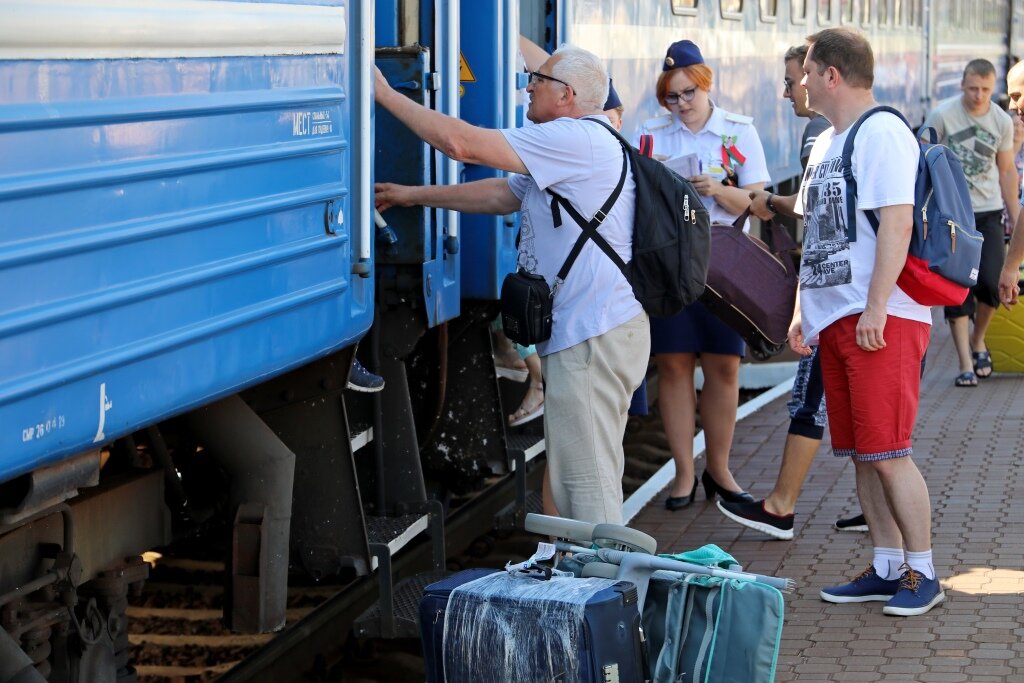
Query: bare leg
677	399
982	318
797	456
907	495
718	402
545	494
534	393
959	329
881	524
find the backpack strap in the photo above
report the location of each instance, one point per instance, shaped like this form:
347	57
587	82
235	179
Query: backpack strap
851	182
589	228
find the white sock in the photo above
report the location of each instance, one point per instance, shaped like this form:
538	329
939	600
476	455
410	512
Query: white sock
922	562
887	562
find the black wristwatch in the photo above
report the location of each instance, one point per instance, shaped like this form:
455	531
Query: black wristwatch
770	205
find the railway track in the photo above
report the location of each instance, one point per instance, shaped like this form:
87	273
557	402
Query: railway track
177	636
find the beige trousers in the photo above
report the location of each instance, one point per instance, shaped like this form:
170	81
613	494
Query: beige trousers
587	393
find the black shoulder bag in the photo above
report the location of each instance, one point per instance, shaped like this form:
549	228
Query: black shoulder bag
526	298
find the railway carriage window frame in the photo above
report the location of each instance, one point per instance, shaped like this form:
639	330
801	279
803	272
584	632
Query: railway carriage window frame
731	9
798	11
685	8
769	11
847	12
824	12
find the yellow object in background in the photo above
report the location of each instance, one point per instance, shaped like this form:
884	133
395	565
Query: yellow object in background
1005	339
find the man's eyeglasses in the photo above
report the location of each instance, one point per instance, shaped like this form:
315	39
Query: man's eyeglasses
686	96
536	76
787	85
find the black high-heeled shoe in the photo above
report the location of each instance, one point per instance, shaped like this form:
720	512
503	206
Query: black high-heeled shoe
680	502
711	487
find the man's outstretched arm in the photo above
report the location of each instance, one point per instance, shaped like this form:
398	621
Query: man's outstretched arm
453	137
491	196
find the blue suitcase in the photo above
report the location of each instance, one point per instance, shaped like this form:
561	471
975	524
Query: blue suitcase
499	627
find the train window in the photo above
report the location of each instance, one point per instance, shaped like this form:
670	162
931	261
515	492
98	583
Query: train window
824	12
732	9
846	11
684	7
769	10
798	11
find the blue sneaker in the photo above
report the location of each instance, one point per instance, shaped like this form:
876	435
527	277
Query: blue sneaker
868	587
917	595
361	379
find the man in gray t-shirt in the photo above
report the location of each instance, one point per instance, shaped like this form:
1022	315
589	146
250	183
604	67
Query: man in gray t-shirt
981	135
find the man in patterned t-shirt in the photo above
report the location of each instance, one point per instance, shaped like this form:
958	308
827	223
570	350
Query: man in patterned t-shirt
981	135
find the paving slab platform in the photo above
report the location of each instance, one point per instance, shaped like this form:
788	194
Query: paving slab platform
969	443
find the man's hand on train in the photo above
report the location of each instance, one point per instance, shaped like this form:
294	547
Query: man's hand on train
380	84
386	195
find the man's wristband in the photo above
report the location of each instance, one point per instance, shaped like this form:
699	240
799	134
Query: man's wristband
770	205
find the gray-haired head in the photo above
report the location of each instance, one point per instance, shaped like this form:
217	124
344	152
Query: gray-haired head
585	72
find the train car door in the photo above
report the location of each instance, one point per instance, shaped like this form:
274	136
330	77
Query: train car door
417	51
488	81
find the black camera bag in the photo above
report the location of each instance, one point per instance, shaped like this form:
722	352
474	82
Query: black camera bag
526	308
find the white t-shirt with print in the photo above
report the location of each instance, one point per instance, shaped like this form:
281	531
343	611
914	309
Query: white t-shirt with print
582	162
672	139
834	272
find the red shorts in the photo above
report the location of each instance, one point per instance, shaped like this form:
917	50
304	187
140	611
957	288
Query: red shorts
872	396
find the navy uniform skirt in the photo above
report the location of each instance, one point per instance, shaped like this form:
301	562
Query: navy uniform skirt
694	330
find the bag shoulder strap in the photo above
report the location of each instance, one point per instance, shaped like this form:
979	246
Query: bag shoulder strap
851	182
589	228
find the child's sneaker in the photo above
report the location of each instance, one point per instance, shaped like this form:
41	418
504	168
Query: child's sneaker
868	587
917	595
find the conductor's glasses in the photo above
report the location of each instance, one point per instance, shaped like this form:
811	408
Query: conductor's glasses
686	96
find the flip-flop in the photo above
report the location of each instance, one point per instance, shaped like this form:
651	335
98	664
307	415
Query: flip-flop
514	374
523	419
982	361
966	379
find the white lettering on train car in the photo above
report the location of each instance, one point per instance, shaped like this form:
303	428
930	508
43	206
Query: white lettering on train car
105	405
42	429
312	123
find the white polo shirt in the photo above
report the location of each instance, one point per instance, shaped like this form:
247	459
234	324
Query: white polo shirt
672	138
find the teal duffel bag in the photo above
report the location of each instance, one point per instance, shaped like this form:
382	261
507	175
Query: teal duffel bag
718	631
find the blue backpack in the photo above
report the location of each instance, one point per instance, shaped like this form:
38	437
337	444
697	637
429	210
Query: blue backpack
945	248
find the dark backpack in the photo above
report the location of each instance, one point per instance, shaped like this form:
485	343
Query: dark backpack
945	249
671	235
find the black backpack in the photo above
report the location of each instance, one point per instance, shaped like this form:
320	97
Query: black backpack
671	234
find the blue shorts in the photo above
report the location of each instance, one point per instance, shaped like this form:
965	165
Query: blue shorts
694	330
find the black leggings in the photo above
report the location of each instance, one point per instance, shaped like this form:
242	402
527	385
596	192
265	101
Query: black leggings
993	251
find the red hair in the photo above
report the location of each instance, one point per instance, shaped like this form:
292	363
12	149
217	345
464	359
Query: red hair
700	74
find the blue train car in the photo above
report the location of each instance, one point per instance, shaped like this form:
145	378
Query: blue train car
183	210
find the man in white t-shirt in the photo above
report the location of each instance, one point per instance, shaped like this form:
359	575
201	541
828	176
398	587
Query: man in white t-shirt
600	341
981	136
870	335
1009	278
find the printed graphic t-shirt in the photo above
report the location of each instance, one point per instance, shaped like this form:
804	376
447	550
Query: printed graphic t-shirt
834	272
975	141
582	162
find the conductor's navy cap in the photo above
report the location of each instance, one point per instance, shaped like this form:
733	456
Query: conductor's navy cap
682	53
613	100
